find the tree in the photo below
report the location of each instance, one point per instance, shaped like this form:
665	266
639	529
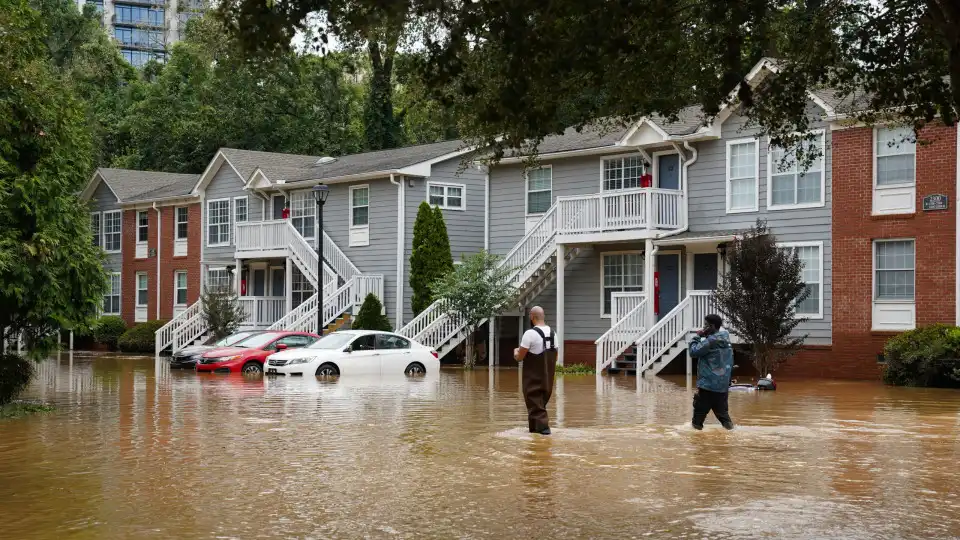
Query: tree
474	291
509	71
758	295
51	275
223	312
371	315
430	258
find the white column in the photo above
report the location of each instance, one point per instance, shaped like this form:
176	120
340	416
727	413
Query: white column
288	285
491	340
71	340
238	277
561	292
649	266
558	392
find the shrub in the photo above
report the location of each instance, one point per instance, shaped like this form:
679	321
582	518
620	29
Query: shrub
430	258
371	316
223	312
141	338
15	373
108	330
927	356
575	369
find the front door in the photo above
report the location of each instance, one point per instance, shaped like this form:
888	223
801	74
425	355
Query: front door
704	271
277	203
668	267
277	278
260	282
668	171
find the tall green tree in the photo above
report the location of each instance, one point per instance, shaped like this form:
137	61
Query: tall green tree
51	275
430	258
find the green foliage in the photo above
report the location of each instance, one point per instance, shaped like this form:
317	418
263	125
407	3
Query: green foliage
758	294
107	331
20	409
141	338
431	257
371	316
15	374
926	356
575	369
222	312
51	277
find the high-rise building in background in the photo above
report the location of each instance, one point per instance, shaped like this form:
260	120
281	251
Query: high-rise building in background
146	29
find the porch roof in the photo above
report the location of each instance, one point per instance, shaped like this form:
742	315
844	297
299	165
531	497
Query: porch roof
698	237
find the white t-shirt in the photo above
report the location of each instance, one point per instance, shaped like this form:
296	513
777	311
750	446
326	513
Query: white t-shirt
531	340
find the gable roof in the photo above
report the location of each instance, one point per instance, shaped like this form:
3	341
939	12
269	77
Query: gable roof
140	186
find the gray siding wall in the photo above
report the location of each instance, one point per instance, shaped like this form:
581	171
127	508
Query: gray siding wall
103	200
227	185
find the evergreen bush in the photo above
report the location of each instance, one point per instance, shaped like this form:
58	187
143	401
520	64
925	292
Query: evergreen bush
15	373
926	356
141	338
431	258
371	316
107	330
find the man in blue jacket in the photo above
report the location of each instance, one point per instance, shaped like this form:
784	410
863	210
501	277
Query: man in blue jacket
711	348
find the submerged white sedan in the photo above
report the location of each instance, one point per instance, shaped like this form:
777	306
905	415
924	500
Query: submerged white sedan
356	352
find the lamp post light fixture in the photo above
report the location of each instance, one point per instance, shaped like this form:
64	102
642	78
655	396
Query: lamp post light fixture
320	193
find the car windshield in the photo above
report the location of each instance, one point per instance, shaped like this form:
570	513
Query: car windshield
234	339
335	340
259	340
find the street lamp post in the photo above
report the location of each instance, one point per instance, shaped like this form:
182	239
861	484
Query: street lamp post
320	193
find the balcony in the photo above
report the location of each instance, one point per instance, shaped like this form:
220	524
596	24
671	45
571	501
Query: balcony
262	311
634	214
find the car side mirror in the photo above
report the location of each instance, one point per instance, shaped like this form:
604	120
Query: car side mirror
281	346
348	349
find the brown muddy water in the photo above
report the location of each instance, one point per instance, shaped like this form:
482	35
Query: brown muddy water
137	451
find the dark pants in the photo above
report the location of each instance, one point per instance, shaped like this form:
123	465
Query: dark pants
538	372
704	401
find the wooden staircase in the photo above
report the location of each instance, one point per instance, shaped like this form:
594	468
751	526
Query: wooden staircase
338	324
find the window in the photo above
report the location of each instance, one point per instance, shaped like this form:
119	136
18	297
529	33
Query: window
301	288
143	227
138	37
295	342
142	289
788	185
218	222
811	256
111	231
448	196
98	5
180	283
387	341
139	15
742	177
111	299
240	210
896	157
360	206
183	217
139	58
539	190
303	210
622	272
895	266
95	232
364	343
622	173
218	279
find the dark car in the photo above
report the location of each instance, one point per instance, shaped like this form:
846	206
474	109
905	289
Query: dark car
189	356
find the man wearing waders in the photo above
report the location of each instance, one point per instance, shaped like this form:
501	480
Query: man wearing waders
538	354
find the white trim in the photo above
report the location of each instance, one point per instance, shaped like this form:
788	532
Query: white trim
272	207
893	303
99	227
656	270
233	215
103	223
176	287
139	226
359	235
819	245
91	187
526	191
206	225
215	163
906	190
623	155
119	294
655	168
636	127
823	177
446	196
603	288
140	310
756	174
176	223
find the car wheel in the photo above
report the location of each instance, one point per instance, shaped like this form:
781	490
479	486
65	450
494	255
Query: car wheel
328	370
252	368
415	368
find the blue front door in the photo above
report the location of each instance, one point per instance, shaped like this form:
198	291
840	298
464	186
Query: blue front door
668	267
668	171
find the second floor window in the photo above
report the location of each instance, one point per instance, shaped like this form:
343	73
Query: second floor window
95	229
240	210
143	227
360	206
792	186
218	222
539	190
896	155
622	173
447	196
742	176
111	231
183	217
303	211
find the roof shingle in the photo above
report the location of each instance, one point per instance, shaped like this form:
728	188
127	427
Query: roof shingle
134	186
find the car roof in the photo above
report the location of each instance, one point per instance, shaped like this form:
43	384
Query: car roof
365	332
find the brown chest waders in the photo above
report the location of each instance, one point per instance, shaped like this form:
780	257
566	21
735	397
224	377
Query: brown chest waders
538	372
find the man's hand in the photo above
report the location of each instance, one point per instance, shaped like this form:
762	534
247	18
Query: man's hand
516	355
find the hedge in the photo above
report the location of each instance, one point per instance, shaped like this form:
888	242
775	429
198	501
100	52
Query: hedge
141	338
927	356
107	331
371	316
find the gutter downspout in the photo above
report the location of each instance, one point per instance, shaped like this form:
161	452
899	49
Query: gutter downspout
956	229
486	212
401	243
159	229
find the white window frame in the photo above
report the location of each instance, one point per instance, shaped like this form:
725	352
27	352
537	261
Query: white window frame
99	231
891	304
308	202
177	222
906	190
136	299
526	190
773	166
603	287
207	280
359	234
234	219
206	231
104	233
177	288
446	195
603	171
819	245
756	175
141	226
117	293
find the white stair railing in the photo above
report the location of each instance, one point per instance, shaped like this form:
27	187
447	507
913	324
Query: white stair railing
622	335
365	284
669	330
165	335
622	303
286	322
189	331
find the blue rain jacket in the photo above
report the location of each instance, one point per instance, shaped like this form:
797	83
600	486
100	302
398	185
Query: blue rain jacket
714	361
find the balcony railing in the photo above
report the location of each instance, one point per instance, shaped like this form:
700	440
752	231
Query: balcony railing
262	311
622	210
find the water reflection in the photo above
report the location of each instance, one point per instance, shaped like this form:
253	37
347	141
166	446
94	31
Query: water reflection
137	450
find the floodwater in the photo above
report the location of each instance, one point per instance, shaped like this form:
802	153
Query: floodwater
137	451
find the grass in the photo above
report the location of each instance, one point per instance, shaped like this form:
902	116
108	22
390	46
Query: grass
19	409
575	369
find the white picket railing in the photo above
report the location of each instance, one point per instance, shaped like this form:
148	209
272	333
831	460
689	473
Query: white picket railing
165	335
262	235
262	311
365	284
287	321
673	327
643	208
622	303
189	331
621	335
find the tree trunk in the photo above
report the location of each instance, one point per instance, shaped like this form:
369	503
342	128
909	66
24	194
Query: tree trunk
468	361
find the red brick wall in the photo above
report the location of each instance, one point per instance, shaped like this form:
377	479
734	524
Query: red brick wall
855	346
170	264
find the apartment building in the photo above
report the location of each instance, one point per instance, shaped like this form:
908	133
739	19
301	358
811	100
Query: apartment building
148	225
146	29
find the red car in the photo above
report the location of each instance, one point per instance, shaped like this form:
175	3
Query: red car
249	356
